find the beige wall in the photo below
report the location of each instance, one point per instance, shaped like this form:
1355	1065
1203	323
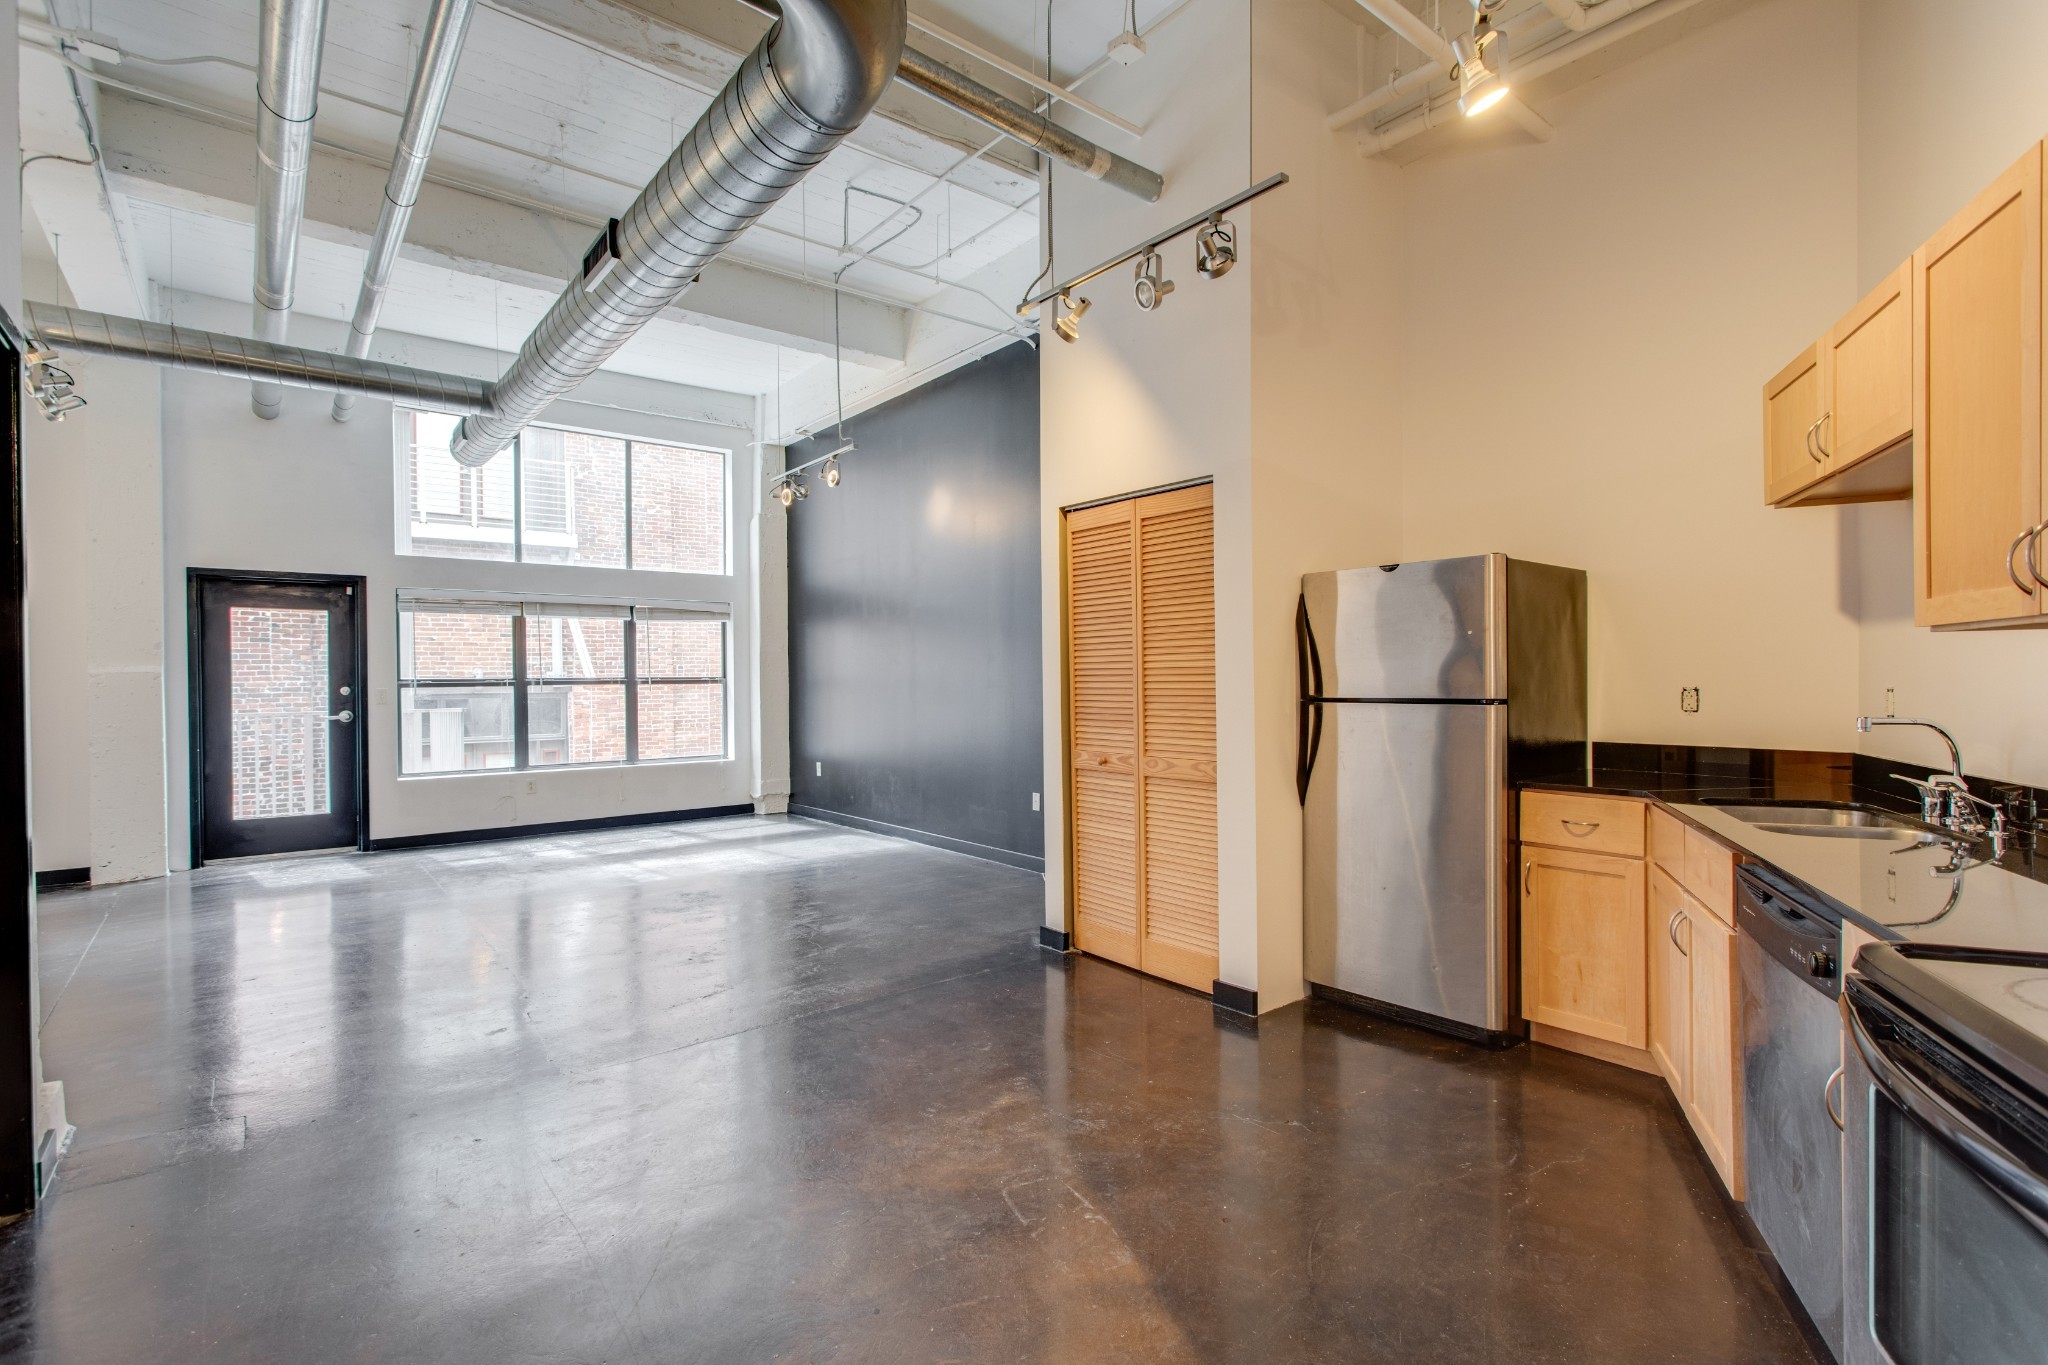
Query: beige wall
1587	326
1936	122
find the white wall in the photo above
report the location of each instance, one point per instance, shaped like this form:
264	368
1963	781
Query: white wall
1588	325
1143	401
1936	122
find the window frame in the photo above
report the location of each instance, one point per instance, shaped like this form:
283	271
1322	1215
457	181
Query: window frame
407	480
523	679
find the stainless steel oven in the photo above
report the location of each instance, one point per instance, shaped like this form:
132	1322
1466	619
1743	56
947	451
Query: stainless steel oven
1945	1225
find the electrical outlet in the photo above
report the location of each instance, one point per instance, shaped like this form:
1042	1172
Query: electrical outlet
1891	701
532	787
1034	800
1689	700
821	769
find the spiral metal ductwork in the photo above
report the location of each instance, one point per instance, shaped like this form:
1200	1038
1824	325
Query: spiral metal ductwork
808	84
440	50
265	362
287	90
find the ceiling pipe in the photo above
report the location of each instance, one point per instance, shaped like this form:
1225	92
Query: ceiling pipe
77	331
1625	25
1028	126
440	49
1063	94
795	97
287	91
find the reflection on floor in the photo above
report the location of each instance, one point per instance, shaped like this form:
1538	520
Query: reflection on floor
758	1089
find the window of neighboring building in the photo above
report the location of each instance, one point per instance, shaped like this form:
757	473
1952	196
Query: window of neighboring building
486	684
557	496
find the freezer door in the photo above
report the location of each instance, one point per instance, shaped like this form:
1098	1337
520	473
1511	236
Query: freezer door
1404	877
1433	629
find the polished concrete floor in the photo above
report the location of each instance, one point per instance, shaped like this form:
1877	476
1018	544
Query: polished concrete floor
764	1090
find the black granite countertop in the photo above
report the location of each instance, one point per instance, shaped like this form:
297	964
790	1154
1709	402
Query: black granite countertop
1926	889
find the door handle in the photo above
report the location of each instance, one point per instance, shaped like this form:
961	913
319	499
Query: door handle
1825	453
1827	1098
1671	932
343	716
2013	549
1528	871
2033	555
1811	452
1587	825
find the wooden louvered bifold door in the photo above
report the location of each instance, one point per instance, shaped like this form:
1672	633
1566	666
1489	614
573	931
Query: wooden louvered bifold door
1142	685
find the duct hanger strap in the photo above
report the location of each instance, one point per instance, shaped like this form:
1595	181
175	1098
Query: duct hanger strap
77	331
1150	244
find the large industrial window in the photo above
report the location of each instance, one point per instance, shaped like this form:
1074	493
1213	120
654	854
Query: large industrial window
490	684
563	497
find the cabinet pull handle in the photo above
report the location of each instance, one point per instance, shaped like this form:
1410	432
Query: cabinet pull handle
1671	931
1587	825
2013	549
1528	871
2034	552
1825	453
1811	453
1827	1097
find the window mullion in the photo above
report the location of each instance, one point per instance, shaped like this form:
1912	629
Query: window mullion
632	676
629	508
518	504
519	722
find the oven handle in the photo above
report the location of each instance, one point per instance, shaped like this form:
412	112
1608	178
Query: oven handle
2019	1187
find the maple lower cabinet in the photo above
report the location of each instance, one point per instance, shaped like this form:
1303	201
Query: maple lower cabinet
1713	1087
1141	706
1670	985
1582	943
1977	406
1692	1002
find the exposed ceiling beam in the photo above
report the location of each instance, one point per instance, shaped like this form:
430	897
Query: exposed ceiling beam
180	160
94	247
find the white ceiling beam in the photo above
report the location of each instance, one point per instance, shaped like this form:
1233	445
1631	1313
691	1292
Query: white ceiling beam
93	245
180	160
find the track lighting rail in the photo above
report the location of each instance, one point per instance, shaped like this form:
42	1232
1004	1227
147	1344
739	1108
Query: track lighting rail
1244	196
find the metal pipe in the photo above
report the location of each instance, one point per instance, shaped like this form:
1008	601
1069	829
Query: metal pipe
1063	94
187	348
440	49
287	92
796	96
1032	129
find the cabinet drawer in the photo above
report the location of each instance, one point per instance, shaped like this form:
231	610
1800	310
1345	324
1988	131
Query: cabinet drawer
1593	824
1667	842
1710	875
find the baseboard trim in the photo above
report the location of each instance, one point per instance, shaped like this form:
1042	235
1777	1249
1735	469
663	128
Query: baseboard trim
986	852
58	877
1059	940
1236	999
1600	1049
498	832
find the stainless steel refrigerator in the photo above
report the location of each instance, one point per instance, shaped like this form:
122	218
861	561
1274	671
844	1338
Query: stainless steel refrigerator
1428	691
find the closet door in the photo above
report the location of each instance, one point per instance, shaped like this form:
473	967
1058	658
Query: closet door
1102	701
1177	735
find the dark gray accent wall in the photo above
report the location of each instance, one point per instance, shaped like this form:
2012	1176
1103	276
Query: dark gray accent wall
914	617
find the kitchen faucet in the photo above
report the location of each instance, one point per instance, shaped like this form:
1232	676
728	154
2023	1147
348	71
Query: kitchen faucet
1945	798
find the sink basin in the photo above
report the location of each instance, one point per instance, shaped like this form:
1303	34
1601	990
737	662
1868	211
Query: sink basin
1829	822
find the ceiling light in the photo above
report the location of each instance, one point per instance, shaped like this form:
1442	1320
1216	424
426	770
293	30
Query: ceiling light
785	492
1215	248
1150	285
1482	68
1069	325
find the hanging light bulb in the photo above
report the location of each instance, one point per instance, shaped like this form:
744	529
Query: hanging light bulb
1482	68
1068	326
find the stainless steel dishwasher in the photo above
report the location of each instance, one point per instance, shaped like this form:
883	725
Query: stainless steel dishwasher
1790	957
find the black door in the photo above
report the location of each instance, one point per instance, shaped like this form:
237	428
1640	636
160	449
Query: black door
277	720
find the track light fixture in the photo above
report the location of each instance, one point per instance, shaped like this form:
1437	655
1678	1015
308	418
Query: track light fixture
1151	285
829	470
50	385
1215	248
1482	65
791	489
1068	324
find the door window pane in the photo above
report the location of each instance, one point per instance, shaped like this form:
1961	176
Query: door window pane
678	509
572	504
278	711
453	511
682	720
575	723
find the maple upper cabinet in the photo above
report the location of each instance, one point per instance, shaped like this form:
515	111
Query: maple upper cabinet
1836	419
1977	407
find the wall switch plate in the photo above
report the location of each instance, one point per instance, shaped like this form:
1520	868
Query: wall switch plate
821	769
1689	700
1034	800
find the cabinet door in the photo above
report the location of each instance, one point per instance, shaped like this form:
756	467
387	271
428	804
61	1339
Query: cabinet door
1713	1095
1670	982
1977	403
1869	366
1582	944
1793	403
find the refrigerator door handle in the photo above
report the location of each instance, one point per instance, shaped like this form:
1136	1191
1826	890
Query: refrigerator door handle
1309	721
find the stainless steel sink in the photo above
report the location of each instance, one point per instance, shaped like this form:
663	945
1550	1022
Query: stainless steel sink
1829	822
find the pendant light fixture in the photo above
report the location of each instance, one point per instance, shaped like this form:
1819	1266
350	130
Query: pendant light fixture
1482	65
